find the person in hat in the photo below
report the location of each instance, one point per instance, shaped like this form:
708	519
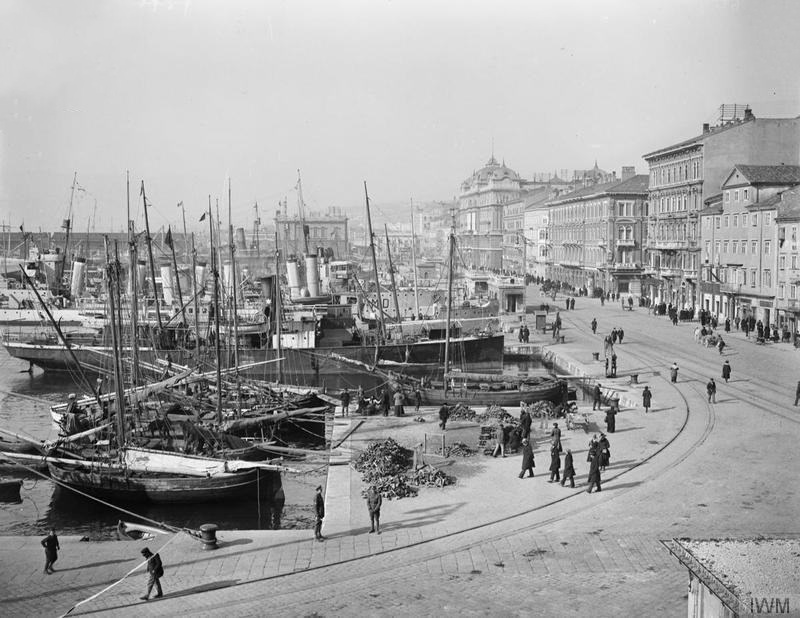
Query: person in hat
155	570
527	459
555	437
374	502
345	402
726	371
319	509
51	547
673	373
597	397
647	398
604	450
711	389
555	464
569	470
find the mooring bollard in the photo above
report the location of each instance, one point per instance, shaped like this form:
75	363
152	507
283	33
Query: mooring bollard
208	534
595	355
561	338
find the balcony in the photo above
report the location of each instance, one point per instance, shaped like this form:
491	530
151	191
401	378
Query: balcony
629	242
672	245
730	288
619	266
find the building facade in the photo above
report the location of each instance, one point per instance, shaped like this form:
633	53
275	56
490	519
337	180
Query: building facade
328	231
684	175
740	243
481	202
787	301
537	235
598	236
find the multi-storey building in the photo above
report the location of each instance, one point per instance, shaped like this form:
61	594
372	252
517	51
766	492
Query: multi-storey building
787	301
537	239
598	234
740	242
684	175
480	213
328	231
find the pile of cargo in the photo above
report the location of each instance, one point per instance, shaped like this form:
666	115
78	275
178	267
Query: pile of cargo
431	477
457	449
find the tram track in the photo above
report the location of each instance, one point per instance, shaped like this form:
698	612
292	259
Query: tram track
376	564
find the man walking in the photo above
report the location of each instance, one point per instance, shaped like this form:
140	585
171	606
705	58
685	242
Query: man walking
726	371
319	509
711	388
555	464
597	397
374	502
555	437
569	470
51	548
527	459
594	326
444	414
417	399
673	373
155	571
647	397
345	402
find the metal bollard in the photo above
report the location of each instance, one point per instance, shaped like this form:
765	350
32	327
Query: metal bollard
595	355
635	378
208	534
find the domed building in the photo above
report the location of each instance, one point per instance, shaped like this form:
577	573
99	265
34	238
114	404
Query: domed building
480	213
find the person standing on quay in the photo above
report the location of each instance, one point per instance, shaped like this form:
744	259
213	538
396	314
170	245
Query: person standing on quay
417	399
594	470
444	414
673	373
620	335
555	464
319	509
711	388
555	437
597	396
569	470
398	403
51	548
797	393
594	326
525	422
374	502
726	371
345	402
527	459
647	398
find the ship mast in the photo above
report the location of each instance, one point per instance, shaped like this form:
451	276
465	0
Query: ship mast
391	275
277	308
215	277
112	280
414	260
450	243
232	248
150	256
134	280
381	326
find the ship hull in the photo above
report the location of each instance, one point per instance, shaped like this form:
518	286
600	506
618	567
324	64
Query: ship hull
300	366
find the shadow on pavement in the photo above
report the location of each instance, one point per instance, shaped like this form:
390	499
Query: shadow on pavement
173	595
93	564
627	429
620	485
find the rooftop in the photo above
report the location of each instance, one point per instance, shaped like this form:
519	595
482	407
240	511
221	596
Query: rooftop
636	185
770	174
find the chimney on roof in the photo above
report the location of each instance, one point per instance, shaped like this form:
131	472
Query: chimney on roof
748	114
706	127
628	172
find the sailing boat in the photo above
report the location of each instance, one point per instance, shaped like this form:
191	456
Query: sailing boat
477	388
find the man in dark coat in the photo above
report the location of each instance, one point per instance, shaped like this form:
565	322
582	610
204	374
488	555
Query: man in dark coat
345	402
525	422
611	419
597	396
594	326
711	389
555	464
155	570
51	547
319	509
620	335
647	398
444	414
726	371
604	451
374	502
594	471
417	399
527	459
673	373
555	437
569	470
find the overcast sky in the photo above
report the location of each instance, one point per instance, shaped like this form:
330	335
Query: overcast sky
406	95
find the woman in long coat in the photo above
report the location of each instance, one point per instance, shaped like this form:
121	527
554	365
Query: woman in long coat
569	470
603	448
726	371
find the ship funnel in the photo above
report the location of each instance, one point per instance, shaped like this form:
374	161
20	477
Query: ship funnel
312	275
227	278
78	277
53	264
200	277
167	284
293	276
241	243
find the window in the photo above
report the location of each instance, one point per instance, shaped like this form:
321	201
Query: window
725	246
753	277
793	291
754	247
735	246
727	196
782	262
766	278
716	248
716	222
735	220
736	195
727	220
767	218
708	249
744	247
745	194
767	244
744	220
755	219
782	290
743	277
794	262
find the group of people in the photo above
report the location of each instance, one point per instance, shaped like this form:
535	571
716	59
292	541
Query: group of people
374	500
385	401
524	334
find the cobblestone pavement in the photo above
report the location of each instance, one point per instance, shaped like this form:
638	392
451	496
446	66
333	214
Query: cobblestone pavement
730	472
